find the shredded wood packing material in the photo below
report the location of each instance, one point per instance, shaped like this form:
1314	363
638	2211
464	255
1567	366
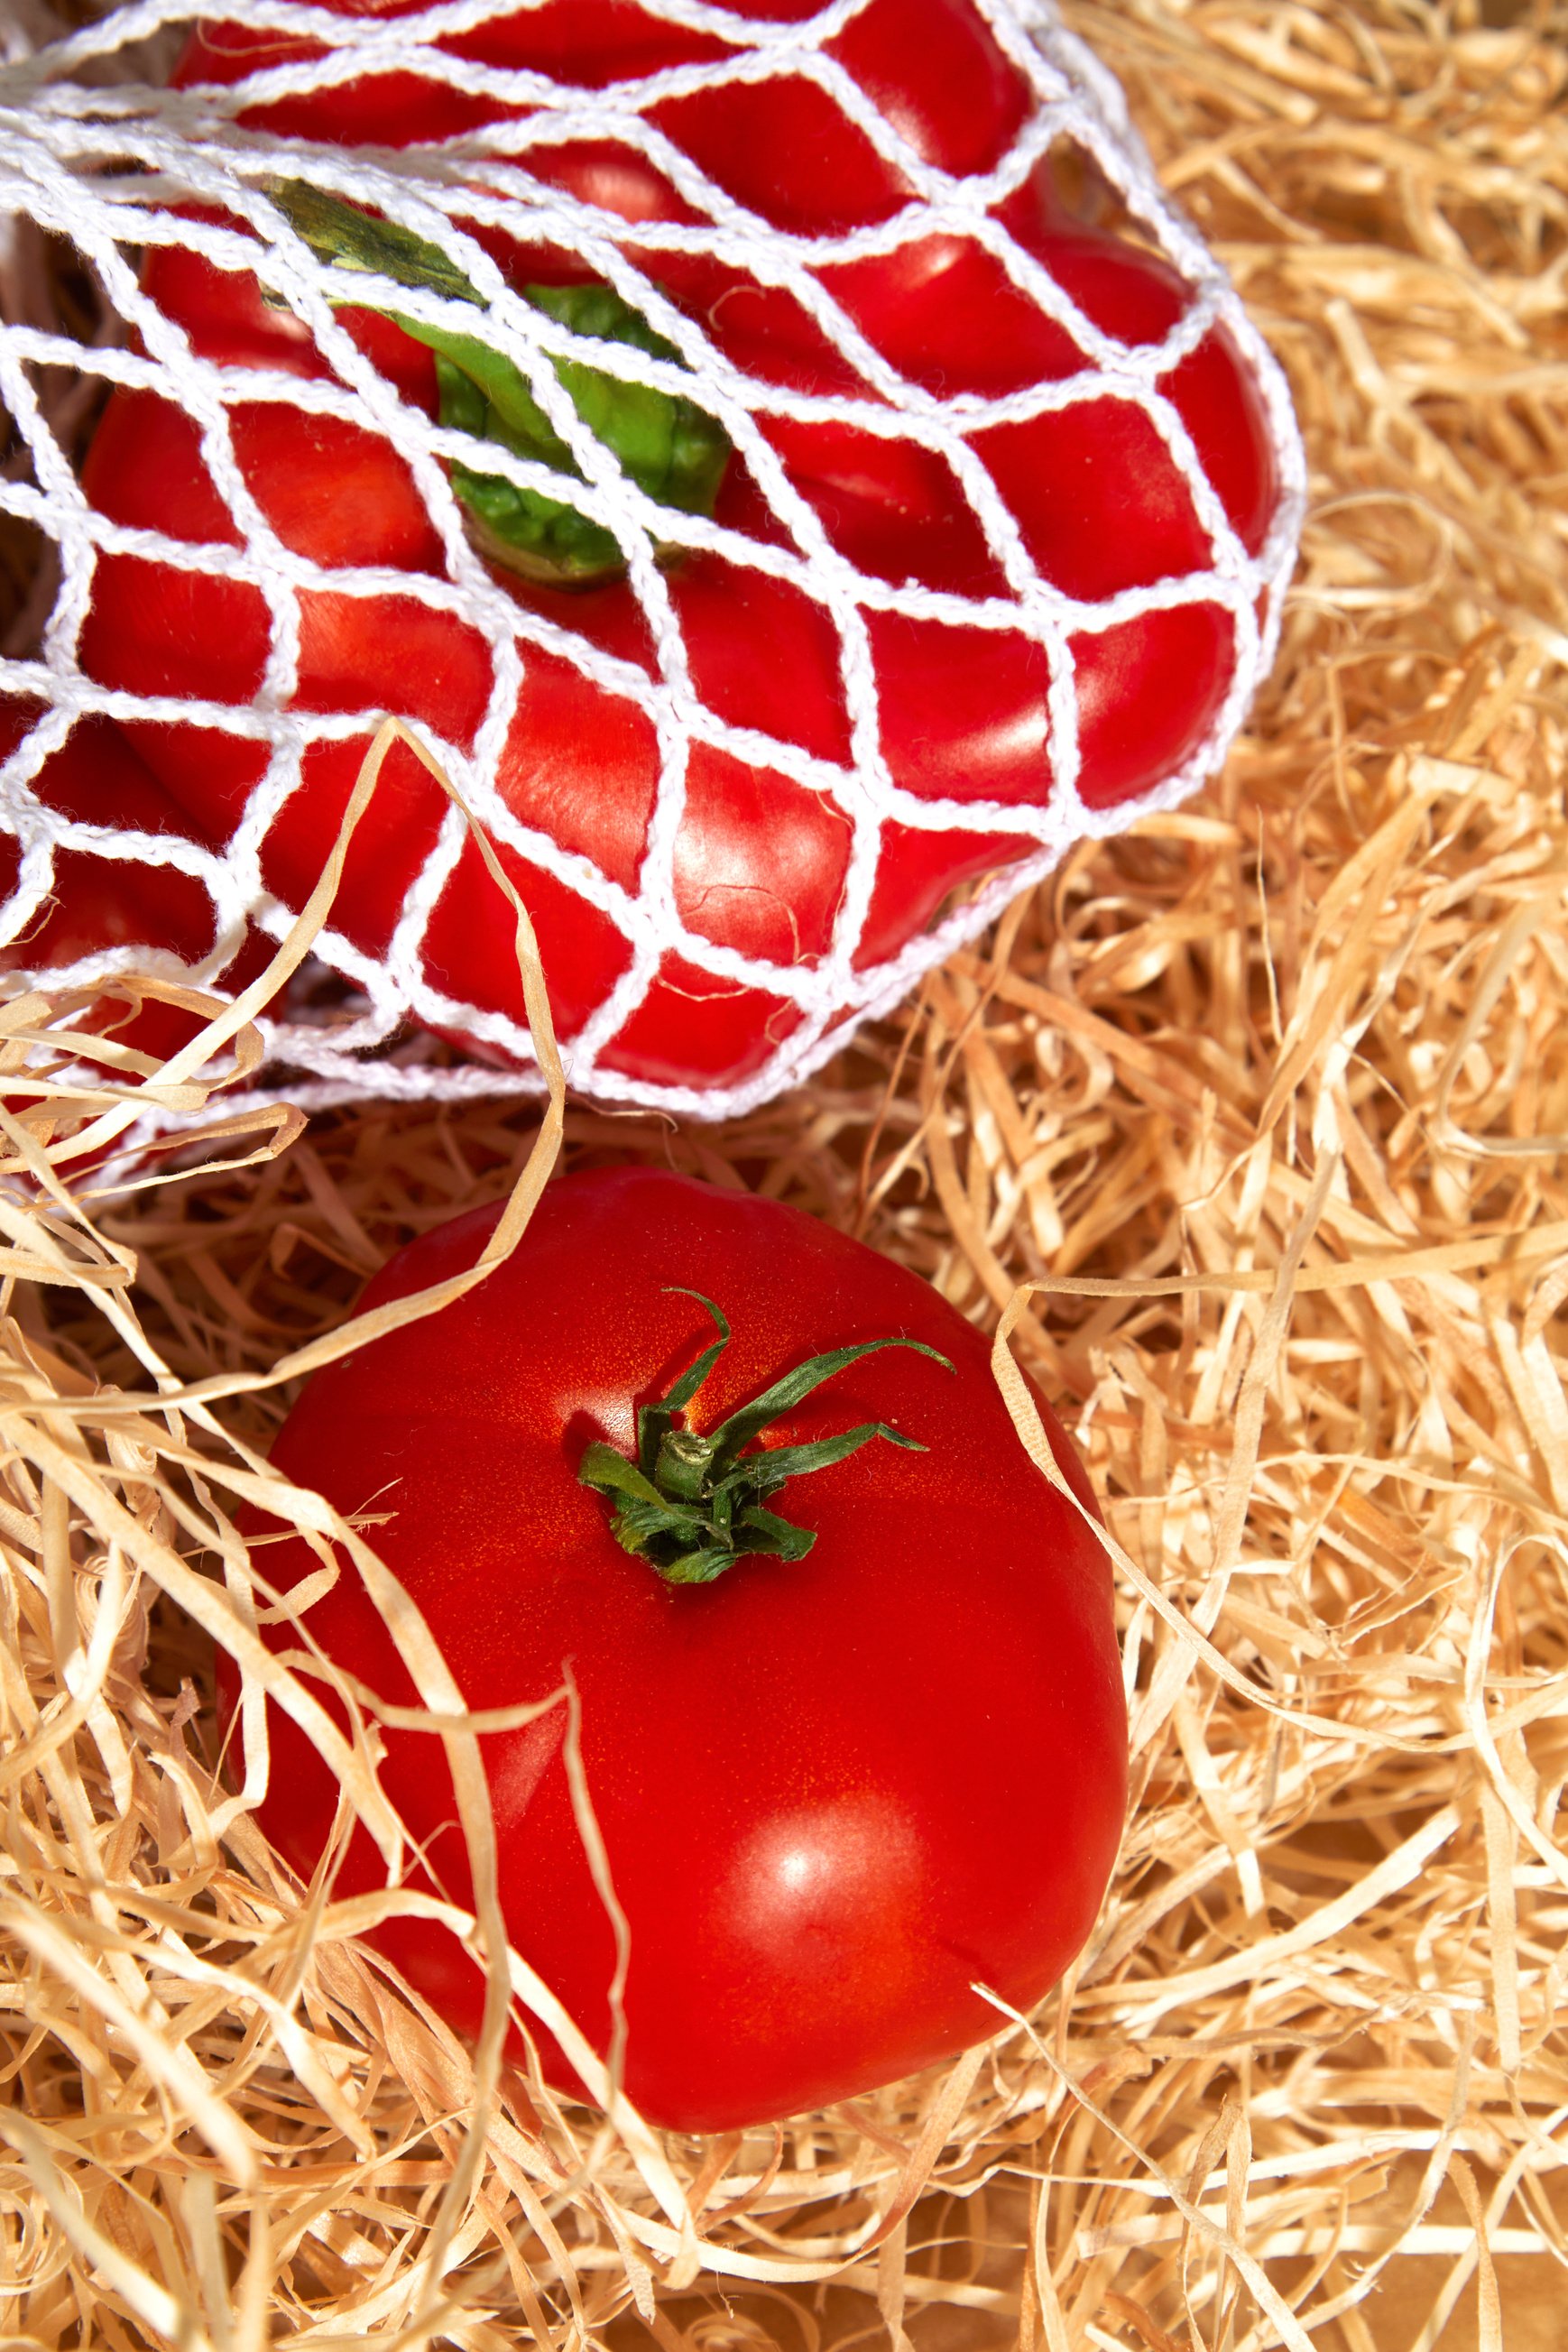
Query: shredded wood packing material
1267	1107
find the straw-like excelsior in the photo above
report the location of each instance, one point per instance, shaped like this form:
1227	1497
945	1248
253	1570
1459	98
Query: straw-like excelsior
1266	1107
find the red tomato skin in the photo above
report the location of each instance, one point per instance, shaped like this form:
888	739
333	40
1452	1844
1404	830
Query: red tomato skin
1100	504
833	1794
95	778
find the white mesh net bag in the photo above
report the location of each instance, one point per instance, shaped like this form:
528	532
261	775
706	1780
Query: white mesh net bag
790	470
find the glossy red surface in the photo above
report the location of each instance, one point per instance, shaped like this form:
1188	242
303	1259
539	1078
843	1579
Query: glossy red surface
833	1793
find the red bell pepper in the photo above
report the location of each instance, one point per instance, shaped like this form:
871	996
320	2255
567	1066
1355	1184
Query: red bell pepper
760	861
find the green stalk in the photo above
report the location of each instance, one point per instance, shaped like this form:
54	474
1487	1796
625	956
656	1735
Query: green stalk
692	1504
672	449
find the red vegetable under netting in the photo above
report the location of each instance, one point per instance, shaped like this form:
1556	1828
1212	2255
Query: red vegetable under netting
768	465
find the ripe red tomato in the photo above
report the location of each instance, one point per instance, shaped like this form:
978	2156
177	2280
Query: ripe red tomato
95	781
835	1790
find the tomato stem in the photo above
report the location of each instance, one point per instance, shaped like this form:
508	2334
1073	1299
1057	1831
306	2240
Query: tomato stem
693	1503
672	448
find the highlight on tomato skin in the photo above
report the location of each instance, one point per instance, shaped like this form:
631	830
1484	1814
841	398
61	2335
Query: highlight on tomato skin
840	1784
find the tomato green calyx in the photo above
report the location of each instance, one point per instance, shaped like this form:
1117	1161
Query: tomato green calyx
668	446
692	1504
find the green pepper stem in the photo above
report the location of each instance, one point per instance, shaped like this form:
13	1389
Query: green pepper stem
693	1503
673	450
